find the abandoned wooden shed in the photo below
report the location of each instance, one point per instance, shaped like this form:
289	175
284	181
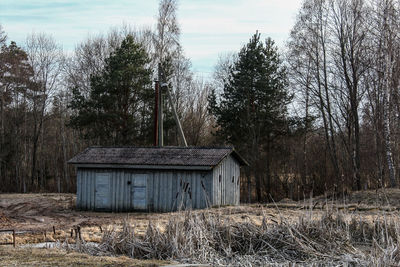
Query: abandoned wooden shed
157	178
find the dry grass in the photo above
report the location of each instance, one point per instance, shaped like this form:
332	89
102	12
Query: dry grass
360	230
336	238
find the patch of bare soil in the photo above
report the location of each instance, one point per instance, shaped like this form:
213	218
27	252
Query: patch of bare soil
55	257
50	217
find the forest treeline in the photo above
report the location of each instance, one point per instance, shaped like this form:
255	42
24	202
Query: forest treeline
321	116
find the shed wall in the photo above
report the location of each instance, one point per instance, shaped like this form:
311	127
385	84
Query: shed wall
226	182
167	190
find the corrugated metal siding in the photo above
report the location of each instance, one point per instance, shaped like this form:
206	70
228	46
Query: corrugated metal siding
170	190
226	184
166	190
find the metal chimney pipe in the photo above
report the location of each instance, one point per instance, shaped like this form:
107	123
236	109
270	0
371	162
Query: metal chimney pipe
160	109
156	87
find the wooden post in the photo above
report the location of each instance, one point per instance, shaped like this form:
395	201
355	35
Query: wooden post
13	236
79	232
13	231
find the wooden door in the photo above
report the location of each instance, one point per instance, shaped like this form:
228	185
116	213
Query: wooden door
102	191
139	191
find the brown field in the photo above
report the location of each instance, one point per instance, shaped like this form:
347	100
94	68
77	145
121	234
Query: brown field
33	216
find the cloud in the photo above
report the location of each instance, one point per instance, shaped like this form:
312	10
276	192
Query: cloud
212	27
209	27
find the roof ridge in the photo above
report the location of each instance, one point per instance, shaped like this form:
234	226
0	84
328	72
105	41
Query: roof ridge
166	147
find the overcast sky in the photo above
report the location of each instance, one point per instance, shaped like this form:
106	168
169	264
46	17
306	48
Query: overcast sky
209	27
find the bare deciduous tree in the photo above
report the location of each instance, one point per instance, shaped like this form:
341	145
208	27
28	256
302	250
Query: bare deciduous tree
166	37
46	59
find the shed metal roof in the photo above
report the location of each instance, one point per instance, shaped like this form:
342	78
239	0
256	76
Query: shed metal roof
156	156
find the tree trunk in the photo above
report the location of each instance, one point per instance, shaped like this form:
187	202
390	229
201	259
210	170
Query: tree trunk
268	170
356	154
33	169
37	132
256	171
64	150
386	127
304	170
388	50
333	151
248	185
326	116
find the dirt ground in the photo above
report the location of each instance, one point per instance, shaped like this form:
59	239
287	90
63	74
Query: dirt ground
33	217
36	216
55	257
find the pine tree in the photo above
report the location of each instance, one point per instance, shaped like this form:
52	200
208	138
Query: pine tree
16	93
119	109
252	107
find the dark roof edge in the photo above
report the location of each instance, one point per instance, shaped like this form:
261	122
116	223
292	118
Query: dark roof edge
239	158
143	167
70	161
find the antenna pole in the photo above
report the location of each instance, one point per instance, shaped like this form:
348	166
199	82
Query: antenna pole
178	123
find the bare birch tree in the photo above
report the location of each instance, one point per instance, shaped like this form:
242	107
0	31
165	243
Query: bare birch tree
166	37
388	46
